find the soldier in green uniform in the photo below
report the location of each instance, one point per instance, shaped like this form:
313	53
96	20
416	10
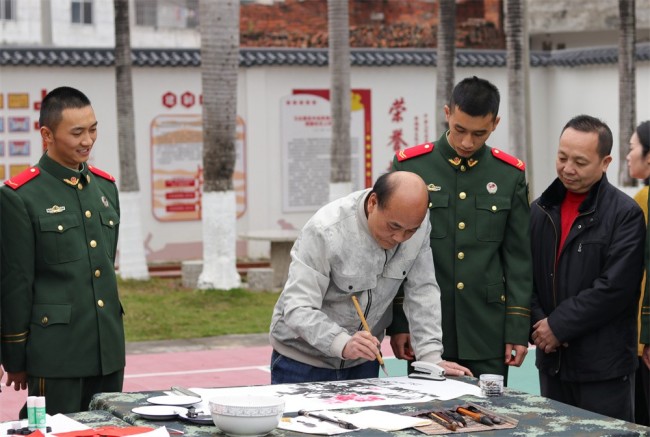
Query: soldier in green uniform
62	332
479	211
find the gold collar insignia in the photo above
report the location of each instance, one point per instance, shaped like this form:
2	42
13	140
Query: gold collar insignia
72	181
456	161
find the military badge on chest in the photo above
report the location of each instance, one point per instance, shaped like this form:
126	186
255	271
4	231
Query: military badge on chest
491	187
105	201
55	209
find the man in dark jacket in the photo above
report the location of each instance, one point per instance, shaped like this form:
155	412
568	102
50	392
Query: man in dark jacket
587	245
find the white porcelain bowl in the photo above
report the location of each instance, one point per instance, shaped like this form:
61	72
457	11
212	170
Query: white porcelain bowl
246	415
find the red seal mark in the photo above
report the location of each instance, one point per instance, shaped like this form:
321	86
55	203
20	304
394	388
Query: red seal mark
188	99
169	99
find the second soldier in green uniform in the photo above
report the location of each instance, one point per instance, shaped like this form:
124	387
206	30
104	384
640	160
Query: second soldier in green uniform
479	211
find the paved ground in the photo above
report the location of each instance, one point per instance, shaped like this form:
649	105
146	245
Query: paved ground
231	360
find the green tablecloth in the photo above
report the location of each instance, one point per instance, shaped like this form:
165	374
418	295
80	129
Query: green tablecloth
538	416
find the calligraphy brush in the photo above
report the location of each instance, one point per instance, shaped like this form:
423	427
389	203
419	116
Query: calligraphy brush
365	326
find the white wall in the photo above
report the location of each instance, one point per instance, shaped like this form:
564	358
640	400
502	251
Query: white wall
557	94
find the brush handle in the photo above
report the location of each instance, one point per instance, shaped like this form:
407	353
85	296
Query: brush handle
365	326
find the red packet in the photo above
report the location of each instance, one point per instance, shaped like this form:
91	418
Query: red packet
106	431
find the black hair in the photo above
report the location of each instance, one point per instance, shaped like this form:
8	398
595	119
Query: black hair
384	188
643	132
476	97
587	123
56	101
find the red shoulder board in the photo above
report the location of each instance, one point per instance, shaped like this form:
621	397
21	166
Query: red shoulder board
414	151
101	173
22	178
509	159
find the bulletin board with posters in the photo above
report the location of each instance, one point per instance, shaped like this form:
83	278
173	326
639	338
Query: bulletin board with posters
18	131
306	131
177	167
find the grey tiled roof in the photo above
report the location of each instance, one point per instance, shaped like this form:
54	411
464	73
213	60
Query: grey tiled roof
251	57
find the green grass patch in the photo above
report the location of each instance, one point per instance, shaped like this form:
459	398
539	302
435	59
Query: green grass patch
161	309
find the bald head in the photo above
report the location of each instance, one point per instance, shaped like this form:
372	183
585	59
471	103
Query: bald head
396	207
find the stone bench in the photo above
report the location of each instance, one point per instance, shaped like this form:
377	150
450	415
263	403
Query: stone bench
281	243
260	278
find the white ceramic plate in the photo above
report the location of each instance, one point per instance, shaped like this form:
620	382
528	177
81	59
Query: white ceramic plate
159	412
175	400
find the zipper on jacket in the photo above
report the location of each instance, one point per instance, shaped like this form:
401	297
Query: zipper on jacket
556	260
557	254
360	327
367	310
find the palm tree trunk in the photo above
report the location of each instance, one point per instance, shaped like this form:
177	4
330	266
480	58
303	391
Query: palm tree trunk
133	262
518	63
626	86
339	63
219	26
446	60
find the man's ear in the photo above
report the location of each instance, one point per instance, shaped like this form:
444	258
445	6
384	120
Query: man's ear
372	202
606	161
497	119
447	113
47	134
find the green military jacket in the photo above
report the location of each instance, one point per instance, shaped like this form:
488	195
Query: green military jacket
61	314
480	240
645	306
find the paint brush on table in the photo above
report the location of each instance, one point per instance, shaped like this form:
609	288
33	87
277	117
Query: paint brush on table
365	326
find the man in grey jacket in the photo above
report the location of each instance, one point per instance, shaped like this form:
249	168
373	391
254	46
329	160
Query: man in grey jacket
365	245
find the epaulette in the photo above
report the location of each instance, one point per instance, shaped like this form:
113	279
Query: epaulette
509	159
414	151
22	178
101	173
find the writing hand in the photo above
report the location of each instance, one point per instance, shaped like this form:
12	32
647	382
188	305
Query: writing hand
362	345
515	354
401	344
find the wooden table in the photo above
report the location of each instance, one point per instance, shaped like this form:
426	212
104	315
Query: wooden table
537	416
281	243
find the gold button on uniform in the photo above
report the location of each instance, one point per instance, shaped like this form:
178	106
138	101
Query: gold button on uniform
93	243
100	303
110	222
461	225
81	187
44	320
430	204
463	168
60	227
460	285
98	273
462	195
88	214
494	207
503	298
461	255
